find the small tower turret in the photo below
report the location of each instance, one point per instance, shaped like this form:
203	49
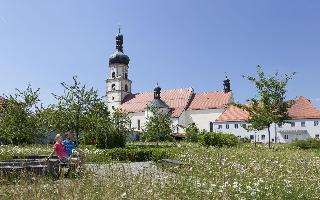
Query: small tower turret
226	85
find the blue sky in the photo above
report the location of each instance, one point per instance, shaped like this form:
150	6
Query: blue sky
176	43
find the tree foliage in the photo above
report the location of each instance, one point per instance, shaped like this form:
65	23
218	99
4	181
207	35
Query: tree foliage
270	105
20	120
76	109
158	126
82	111
192	133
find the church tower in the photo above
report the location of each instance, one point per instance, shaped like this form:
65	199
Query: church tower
118	84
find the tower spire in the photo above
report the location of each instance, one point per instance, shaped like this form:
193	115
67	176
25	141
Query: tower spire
119	41
226	84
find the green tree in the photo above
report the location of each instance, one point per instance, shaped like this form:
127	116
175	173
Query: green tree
120	129
158	126
78	109
269	106
20	117
192	133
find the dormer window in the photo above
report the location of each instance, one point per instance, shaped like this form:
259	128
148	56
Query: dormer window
113	75
113	87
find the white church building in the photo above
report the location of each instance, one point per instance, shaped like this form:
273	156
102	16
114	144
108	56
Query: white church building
210	111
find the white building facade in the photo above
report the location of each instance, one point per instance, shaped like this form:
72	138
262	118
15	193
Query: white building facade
210	111
304	124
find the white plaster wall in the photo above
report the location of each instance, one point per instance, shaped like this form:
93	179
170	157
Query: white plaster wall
256	136
202	118
277	134
134	120
298	132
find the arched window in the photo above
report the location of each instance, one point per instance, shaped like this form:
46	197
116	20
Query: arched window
113	87
126	87
211	127
126	75
113	75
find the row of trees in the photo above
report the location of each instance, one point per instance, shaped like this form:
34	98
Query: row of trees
23	119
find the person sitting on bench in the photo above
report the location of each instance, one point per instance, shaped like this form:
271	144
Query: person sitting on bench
70	147
59	150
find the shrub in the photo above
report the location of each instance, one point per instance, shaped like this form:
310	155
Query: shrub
310	143
192	133
218	139
128	154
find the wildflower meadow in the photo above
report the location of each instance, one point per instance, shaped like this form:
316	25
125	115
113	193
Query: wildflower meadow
243	172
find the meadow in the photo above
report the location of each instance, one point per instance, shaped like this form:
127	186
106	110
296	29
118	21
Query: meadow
244	172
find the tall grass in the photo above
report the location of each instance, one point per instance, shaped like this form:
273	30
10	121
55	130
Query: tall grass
210	173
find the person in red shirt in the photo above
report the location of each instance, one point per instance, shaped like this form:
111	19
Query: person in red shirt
59	150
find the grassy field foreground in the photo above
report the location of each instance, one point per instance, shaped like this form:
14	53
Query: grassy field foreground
246	172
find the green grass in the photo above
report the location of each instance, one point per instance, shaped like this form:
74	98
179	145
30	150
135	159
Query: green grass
246	172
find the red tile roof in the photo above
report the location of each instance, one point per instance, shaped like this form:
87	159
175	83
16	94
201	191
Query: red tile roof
233	114
301	109
210	100
176	99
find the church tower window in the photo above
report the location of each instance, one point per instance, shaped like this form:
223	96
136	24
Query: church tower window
113	75
126	75
113	87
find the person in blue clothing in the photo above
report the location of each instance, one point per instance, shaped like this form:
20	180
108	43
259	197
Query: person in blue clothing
70	147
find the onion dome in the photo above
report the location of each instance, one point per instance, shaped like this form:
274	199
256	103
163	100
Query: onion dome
157	102
118	56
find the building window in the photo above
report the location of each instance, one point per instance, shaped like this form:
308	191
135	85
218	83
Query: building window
126	88
303	124
126	75
317	136
112	98
236	126
251	137
113	87
244	126
211	127
286	137
113	75
316	123
293	124
112	107
227	126
219	126
138	124
263	137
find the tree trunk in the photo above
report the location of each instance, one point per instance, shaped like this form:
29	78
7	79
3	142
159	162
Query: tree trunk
269	137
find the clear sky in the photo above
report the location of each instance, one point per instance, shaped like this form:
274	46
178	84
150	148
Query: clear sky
177	43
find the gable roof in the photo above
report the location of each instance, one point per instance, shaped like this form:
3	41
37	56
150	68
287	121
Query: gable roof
176	99
210	100
233	114
301	108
